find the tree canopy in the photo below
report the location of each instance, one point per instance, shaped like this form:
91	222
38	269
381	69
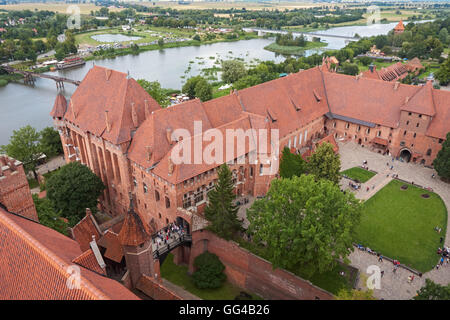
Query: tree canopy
25	146
209	271
443	74
433	291
73	189
291	164
221	211
304	223
442	161
154	89
233	70
47	215
51	142
324	163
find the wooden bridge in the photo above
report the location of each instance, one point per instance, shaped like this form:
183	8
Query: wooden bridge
29	77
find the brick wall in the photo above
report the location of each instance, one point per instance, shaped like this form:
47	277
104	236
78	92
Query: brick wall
253	273
155	290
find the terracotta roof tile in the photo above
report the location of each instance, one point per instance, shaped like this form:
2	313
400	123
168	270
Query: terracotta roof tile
422	102
115	93
27	245
88	260
110	241
134	232
60	106
84	230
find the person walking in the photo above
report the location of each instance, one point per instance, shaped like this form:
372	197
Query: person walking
380	258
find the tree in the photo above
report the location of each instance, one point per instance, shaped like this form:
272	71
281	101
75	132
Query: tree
324	163
221	211
209	271
350	69
51	142
291	164
154	89
304	223
47	215
443	35
73	189
197	37
134	48
161	42
203	90
442	161
353	294
24	145
233	70
433	291
189	86
443	74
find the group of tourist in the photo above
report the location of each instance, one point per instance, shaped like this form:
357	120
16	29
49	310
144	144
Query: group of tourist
444	253
171	232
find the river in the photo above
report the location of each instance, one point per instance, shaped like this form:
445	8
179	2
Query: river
21	105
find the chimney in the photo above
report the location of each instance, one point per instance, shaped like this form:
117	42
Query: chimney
149	153
171	166
73	109
134	115
147	109
169	135
108	126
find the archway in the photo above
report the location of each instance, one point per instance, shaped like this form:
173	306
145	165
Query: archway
182	223
405	154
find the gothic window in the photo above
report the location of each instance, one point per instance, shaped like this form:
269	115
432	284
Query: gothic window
429	152
187	200
167	202
145	188
156	195
198	195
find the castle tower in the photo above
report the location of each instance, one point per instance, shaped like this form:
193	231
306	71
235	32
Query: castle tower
399	28
136	240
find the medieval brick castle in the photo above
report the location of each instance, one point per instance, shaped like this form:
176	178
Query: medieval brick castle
119	131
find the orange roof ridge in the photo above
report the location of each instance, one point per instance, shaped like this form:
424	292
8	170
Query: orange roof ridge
58	264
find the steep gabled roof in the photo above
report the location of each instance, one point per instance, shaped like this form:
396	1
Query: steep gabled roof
422	102
107	90
440	124
60	106
134	232
88	260
110	241
35	263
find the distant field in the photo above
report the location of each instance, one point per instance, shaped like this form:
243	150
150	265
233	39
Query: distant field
56	7
229	5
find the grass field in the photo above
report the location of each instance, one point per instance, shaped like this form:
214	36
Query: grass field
400	224
55	7
237	4
294	50
359	174
178	275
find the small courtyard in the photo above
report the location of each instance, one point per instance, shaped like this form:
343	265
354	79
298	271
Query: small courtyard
399	219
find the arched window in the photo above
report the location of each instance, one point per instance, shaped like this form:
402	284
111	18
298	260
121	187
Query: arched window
167	202
156	195
429	152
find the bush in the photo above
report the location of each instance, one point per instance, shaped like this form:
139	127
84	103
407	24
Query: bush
209	271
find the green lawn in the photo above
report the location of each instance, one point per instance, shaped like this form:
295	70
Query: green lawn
179	276
359	174
400	224
294	49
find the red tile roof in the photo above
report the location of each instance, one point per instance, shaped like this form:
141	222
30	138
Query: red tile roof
34	265
85	229
110	241
134	232
422	101
399	26
60	107
116	93
88	260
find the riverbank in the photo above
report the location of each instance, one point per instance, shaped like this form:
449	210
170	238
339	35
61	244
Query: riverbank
7	78
125	51
295	50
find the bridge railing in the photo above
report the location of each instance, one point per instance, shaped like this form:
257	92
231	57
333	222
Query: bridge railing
160	250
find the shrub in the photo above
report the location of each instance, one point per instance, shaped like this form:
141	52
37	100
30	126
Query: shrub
209	271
